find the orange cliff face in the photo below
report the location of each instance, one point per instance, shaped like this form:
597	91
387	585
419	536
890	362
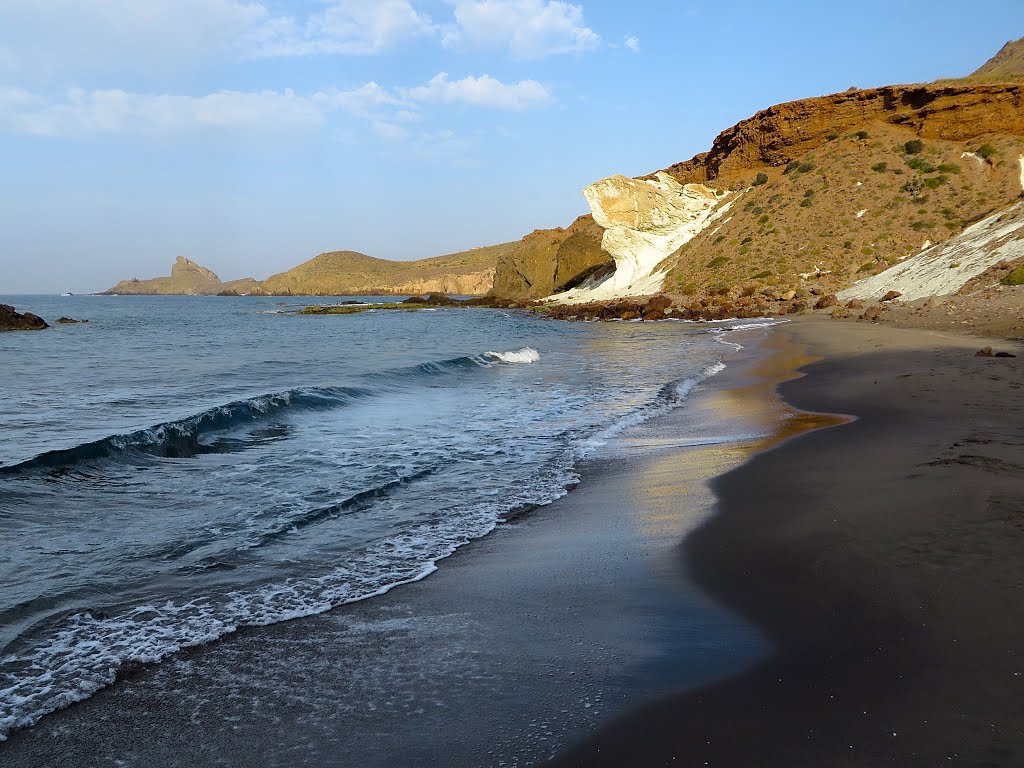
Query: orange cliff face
857	204
778	135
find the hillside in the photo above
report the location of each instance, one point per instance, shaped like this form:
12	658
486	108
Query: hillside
186	278
812	194
348	273
1008	64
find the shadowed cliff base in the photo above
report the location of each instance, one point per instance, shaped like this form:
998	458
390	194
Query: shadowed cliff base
882	558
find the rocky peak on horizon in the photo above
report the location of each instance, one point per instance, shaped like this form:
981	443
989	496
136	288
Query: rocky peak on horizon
1008	63
186	278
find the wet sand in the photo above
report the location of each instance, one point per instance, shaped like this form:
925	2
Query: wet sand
520	644
885	562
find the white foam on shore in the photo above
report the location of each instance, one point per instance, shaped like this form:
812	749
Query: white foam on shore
672	398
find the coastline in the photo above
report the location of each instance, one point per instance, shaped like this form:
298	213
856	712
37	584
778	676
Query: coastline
521	643
883	561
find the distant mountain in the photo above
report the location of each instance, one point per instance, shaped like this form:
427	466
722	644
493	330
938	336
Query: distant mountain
186	278
1008	64
338	273
349	273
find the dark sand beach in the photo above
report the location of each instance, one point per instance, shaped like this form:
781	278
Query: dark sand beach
883	559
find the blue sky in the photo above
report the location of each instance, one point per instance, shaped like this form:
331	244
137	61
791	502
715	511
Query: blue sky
250	135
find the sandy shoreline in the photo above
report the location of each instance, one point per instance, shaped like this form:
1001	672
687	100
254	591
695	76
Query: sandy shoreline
884	560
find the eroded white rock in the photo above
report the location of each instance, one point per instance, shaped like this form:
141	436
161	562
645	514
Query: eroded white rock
645	221
943	269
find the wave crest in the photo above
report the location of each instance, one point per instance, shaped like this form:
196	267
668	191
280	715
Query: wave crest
524	355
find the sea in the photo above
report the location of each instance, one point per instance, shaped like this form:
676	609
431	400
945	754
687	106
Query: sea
182	467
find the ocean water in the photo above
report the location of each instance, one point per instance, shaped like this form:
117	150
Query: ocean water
181	467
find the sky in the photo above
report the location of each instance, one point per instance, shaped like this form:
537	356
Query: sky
250	135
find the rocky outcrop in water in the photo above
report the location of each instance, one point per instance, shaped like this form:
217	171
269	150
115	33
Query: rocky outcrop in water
186	278
10	320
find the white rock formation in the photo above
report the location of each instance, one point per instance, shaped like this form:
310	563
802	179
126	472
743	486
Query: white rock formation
645	222
945	268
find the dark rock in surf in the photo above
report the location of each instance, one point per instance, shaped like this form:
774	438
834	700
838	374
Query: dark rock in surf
20	321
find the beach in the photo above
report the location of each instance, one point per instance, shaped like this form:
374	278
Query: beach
846	592
883	559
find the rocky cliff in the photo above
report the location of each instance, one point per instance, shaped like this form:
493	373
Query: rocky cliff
813	193
552	260
774	137
644	221
348	273
186	278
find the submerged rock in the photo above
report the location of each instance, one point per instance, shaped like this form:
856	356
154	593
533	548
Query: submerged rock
69	321
18	321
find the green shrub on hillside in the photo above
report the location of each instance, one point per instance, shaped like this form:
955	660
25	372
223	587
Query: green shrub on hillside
913	187
913	147
1014	278
880	167
762	179
921	165
792	166
936	181
949	168
806	167
862	135
718	261
985	151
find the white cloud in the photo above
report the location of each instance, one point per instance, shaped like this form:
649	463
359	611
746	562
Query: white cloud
483	91
528	28
116	112
83	113
47	40
47	37
365	101
350	27
632	42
